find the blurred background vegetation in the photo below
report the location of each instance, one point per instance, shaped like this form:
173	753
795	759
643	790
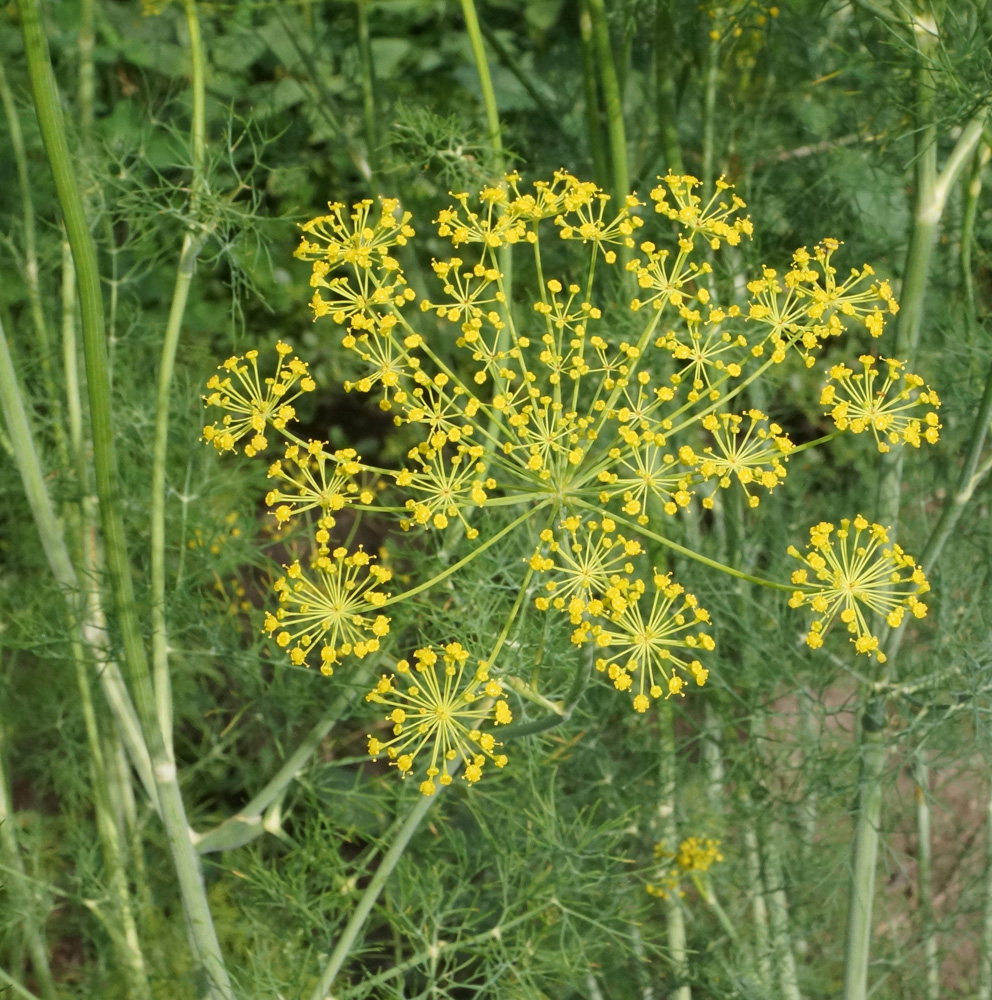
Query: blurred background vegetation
833	119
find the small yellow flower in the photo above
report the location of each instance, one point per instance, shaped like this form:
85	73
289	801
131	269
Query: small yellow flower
319	480
863	401
695	856
854	573
338	610
652	649
752	458
437	708
254	403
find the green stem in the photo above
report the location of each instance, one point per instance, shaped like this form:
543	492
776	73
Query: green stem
559	714
776	898
38	320
368	94
465	560
972	190
931	198
711	77
8	982
932	190
757	892
126	941
668	835
778	912
19	889
868	817
389	861
485	83
60	563
664	54
198	919
612	101
600	167
87	75
924	875
193	241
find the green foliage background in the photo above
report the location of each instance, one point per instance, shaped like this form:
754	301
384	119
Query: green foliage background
531	884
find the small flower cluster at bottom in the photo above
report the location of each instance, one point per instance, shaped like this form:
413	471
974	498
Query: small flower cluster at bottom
439	704
695	854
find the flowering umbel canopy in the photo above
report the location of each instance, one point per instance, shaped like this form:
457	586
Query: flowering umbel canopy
585	434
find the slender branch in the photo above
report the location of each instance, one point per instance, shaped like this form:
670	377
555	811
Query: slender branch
593	128
485	82
612	100
389	861
193	241
924	875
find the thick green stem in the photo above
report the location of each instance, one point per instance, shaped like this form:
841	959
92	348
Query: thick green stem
198	919
60	563
664	55
485	83
193	241
757	892
19	888
126	942
778	912
38	320
857	945
668	834
368	94
600	167
924	876
612	101
932	190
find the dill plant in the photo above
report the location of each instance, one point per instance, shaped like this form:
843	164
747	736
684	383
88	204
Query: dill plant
585	420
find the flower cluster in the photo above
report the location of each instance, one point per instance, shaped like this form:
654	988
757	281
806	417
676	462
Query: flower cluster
586	436
439	704
253	403
864	400
854	573
695	856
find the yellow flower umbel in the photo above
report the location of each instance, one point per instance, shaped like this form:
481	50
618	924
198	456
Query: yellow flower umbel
695	857
254	403
437	708
550	408
753	458
650	648
849	573
337	611
863	401
320	481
